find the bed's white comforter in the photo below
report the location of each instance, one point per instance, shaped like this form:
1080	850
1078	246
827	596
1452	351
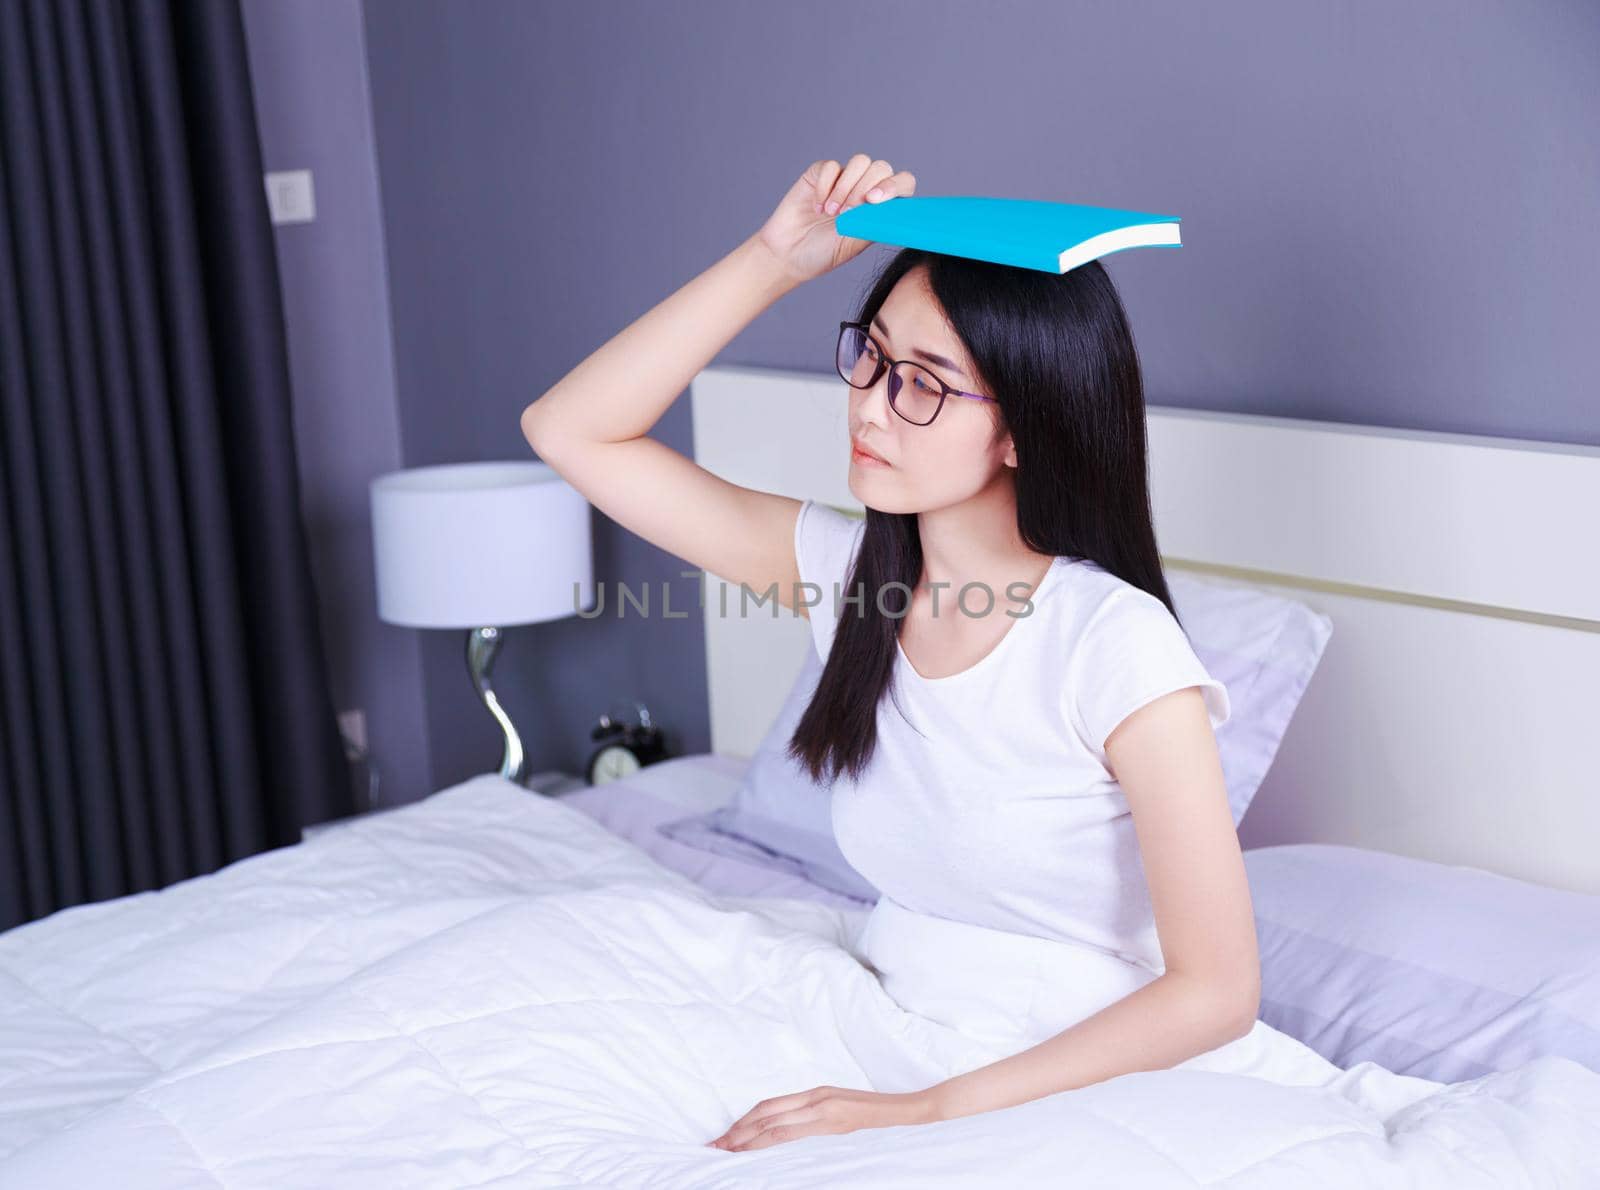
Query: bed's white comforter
488	988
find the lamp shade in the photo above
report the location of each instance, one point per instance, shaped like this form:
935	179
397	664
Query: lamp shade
471	545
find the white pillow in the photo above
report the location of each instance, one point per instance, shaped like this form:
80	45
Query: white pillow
1264	649
1442	971
779	817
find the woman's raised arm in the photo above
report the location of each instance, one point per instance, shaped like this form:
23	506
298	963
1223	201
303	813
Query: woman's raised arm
592	426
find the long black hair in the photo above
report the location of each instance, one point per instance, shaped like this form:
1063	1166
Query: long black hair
1057	353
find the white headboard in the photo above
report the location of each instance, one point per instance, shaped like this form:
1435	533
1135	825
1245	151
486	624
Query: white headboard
1455	715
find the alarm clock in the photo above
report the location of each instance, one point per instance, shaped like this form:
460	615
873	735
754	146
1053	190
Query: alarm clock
628	747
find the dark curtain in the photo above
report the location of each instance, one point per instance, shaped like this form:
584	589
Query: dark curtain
164	706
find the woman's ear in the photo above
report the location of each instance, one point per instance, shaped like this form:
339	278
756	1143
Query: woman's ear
1010	459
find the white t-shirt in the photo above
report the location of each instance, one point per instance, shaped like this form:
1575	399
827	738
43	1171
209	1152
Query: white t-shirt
1001	812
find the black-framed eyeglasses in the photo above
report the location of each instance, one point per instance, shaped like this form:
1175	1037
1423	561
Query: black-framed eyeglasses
915	393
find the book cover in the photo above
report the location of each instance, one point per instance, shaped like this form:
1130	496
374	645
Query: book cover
1027	233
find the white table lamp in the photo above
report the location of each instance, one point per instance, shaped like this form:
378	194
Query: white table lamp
481	546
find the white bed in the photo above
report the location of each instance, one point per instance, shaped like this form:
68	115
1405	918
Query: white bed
491	988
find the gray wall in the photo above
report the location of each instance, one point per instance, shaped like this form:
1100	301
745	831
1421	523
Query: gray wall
1389	218
308	72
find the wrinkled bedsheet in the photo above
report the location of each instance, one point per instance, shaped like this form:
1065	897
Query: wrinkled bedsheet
487	988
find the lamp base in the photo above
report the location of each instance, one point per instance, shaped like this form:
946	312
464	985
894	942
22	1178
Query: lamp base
483	645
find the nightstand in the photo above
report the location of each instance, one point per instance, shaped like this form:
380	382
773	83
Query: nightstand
554	783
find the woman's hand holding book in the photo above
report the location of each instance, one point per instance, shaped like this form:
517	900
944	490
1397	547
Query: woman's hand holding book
800	233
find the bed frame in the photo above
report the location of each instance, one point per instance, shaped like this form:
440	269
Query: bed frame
1455	715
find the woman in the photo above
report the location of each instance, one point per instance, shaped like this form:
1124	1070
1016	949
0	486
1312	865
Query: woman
1022	751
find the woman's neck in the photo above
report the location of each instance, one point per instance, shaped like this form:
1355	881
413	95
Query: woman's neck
976	541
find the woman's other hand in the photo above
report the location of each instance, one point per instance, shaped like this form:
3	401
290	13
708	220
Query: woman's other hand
825	1111
800	233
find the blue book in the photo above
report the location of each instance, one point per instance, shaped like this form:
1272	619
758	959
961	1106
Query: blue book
1050	236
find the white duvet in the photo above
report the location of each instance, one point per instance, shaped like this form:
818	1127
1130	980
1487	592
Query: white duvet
487	988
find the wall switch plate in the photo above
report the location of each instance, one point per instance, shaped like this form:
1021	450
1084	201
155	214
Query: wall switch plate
289	196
